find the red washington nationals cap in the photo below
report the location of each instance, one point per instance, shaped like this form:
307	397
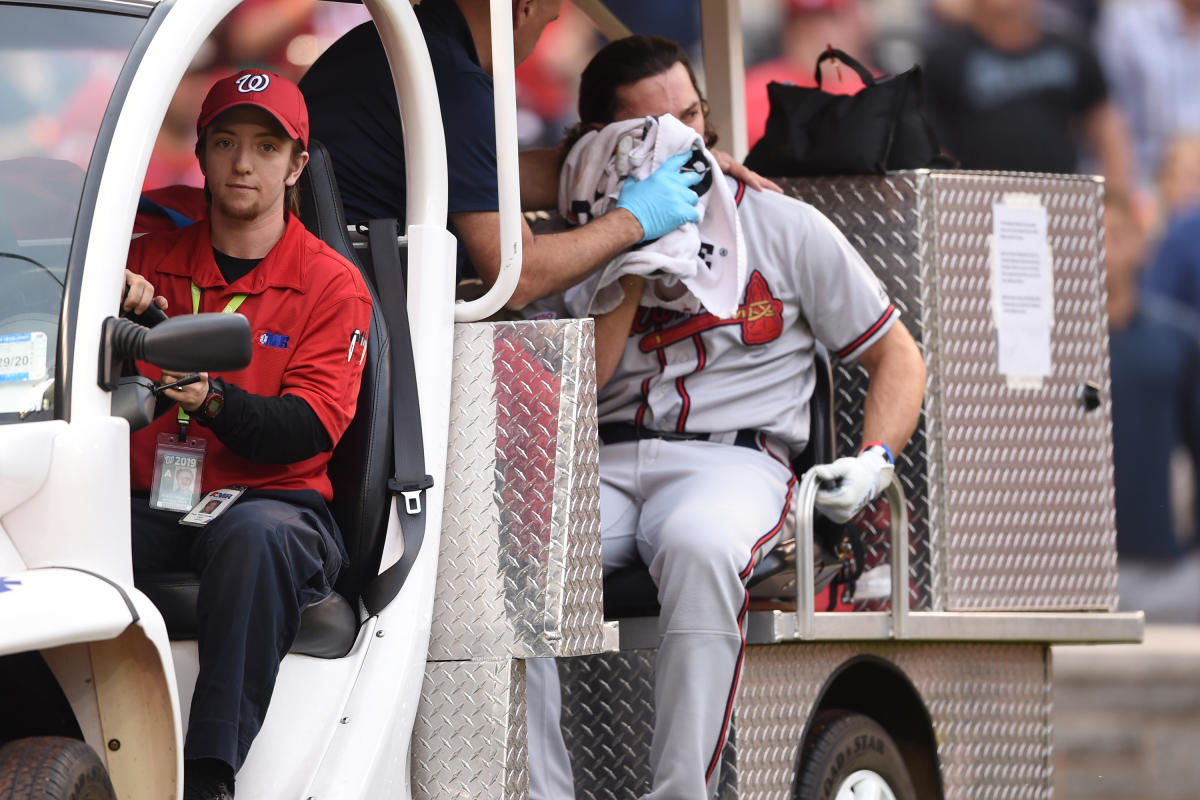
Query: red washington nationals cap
278	96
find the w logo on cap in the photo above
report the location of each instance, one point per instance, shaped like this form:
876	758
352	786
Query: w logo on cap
253	82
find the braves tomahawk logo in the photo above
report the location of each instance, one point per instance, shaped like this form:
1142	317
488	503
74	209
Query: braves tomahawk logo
760	315
253	82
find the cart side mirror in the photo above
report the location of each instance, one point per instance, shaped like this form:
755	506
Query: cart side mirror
190	343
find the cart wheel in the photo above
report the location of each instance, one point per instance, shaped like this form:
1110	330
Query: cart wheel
849	756
52	768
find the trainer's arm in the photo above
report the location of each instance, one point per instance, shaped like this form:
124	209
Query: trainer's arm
645	210
896	388
551	262
612	329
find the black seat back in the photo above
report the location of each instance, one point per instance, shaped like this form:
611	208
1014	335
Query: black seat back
362	461
822	435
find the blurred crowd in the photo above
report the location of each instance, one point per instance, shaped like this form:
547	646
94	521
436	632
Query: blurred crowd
1105	86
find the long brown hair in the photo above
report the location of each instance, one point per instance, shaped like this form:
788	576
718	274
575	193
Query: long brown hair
621	63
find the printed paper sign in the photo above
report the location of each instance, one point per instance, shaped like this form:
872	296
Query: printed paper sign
1021	289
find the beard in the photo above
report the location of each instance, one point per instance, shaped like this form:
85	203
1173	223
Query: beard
243	212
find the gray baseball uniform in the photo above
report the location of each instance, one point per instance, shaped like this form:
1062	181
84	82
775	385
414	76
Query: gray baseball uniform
700	514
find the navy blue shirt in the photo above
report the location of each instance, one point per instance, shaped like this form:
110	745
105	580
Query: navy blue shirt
1175	272
1155	364
353	112
1011	110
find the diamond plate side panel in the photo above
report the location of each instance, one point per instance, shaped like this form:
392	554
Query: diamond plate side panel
469	736
990	706
608	724
886	220
577	492
468	605
1010	491
608	721
521	570
1028	474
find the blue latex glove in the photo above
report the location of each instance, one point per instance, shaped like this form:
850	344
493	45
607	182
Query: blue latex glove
663	201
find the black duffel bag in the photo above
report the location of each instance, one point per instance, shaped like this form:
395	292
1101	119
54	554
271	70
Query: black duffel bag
812	132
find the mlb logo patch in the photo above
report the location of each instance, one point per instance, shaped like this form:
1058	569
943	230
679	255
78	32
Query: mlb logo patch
276	340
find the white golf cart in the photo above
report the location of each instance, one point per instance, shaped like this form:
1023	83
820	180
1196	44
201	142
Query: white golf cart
409	681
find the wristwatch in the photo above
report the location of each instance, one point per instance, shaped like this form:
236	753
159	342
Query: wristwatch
214	401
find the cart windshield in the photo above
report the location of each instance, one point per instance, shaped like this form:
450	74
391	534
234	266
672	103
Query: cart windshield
58	67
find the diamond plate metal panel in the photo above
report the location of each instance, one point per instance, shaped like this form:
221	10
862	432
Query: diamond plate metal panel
469	738
520	570
990	706
608	723
888	223
1027	474
1009	490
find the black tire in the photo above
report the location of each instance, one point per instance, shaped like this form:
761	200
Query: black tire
842	744
52	768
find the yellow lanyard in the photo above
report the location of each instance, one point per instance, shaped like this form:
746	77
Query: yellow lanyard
233	305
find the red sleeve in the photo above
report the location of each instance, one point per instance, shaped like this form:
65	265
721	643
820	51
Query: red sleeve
322	371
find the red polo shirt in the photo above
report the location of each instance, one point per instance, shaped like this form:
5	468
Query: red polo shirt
304	303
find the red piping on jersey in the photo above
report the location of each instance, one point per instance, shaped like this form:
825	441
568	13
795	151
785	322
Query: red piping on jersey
701	360
662	364
685	407
857	343
762	443
760	317
737	671
741	192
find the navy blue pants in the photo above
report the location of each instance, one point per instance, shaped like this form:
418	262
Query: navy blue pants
260	564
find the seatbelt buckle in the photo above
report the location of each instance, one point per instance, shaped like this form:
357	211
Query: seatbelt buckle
411	492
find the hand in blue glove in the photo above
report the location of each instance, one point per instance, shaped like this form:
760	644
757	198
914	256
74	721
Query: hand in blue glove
663	201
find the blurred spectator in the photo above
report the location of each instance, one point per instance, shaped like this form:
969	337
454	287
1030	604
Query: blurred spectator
174	158
1151	51
1179	177
1155	366
673	19
1175	272
271	34
810	27
1075	16
548	81
1006	93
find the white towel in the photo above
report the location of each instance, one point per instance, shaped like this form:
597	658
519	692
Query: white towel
708	257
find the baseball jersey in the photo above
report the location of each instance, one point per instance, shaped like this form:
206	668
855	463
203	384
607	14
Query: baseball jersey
697	373
305	303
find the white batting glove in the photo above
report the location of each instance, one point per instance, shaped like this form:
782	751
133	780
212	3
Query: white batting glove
856	481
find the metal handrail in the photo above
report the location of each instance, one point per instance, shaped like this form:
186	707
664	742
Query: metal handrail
508	176
804	510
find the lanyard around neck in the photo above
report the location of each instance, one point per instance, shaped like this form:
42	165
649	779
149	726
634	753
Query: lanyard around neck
233	305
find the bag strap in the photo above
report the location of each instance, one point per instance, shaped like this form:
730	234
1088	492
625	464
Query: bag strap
833	54
409	479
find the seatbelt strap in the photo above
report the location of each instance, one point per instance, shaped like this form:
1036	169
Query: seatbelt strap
409	479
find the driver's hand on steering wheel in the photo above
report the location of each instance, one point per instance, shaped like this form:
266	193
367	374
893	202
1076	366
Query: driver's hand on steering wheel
139	294
189	397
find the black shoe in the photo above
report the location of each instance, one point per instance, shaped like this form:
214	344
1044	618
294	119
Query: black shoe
207	779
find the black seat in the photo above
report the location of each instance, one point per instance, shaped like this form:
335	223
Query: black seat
359	467
630	591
